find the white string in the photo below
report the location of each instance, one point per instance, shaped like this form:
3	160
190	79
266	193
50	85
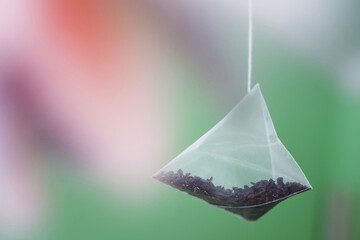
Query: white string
250	44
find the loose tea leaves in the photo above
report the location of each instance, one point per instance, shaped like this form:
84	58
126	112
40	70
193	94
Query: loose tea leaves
250	202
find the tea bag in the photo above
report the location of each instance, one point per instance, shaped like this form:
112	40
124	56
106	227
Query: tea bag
240	165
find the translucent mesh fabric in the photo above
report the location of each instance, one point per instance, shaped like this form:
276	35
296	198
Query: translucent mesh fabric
242	149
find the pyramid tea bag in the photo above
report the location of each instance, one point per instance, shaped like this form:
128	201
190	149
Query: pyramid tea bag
240	165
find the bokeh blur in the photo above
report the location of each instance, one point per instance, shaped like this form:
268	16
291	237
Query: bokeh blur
97	95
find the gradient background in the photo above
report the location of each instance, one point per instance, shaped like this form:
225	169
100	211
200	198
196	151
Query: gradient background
306	59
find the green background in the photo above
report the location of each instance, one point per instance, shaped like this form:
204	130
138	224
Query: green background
314	117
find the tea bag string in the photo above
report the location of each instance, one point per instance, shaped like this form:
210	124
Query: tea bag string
250	34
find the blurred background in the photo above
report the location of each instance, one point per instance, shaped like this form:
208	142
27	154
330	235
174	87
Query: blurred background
96	96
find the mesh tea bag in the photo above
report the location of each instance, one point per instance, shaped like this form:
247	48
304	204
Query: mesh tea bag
240	165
